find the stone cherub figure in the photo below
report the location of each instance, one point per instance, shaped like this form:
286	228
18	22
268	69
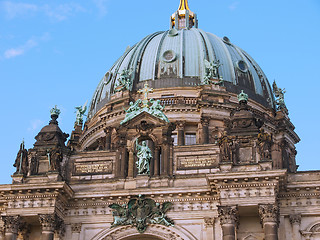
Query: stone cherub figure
144	155
80	113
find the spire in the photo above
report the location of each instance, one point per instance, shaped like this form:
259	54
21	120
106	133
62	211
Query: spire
184	5
183	18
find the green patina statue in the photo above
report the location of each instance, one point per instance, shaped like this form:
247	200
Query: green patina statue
279	93
55	111
124	81
80	113
211	73
144	156
156	110
141	212
151	106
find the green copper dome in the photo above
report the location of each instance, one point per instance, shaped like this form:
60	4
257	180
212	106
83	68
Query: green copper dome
177	58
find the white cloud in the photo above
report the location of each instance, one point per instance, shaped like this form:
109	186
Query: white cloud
13	10
62	11
58	12
102	7
234	6
35	125
20	50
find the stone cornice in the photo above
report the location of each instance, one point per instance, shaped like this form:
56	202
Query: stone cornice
105	202
247	176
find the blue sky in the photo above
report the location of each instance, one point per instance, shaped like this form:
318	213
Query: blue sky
56	52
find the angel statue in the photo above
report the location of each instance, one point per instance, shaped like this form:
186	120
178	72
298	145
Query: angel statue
144	155
211	72
279	93
124	81
80	113
132	111
157	110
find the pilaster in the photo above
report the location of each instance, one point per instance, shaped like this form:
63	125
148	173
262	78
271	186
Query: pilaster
269	215
295	220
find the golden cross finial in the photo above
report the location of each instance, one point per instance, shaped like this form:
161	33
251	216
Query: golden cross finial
146	90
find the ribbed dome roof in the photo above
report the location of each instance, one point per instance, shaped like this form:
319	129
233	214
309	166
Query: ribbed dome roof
176	58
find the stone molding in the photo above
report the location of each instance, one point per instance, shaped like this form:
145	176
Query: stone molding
228	215
269	213
12	223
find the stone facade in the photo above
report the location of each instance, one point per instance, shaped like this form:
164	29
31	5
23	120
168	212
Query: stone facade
226	166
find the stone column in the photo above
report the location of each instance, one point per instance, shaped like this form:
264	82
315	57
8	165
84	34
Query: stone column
209	227
269	215
164	159
122	163
205	130
181	137
131	164
295	221
76	229
48	223
108	138
229	219
11	225
156	161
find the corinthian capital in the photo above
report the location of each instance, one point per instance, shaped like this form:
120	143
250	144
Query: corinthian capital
11	223
228	215
269	213
50	222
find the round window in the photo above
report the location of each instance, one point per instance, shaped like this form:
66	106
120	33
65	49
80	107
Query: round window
169	56
242	66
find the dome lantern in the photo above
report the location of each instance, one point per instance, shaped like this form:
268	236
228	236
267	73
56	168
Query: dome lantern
183	18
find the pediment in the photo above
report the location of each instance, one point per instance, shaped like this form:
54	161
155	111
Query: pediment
145	118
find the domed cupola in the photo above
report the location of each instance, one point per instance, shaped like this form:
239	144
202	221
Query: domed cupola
183	56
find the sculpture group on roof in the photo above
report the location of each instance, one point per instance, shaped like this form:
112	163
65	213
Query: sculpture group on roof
151	106
80	113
